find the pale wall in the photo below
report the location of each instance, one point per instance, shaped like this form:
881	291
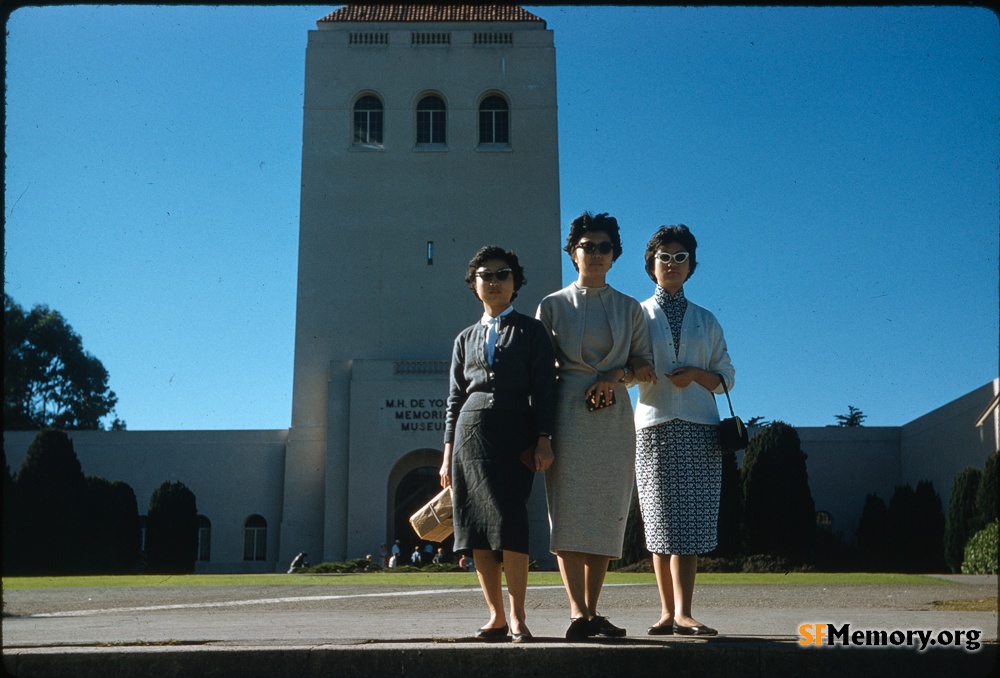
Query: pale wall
233	475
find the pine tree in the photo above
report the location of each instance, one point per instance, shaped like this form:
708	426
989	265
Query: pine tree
962	518
779	515
172	529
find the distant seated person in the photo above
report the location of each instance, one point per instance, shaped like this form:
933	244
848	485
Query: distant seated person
439	557
415	557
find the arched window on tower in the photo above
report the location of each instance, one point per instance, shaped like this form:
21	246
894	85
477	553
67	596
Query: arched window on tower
255	538
431	121
368	113
494	121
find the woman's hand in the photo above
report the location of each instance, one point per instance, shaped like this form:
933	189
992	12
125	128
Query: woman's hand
683	376
605	385
543	454
644	371
445	471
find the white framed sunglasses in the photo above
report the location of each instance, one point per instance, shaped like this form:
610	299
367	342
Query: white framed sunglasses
667	257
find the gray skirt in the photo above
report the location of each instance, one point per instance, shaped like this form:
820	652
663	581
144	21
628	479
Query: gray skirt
678	468
589	486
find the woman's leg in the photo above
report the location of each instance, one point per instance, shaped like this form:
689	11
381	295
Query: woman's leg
515	567
488	569
572	567
683	569
665	585
595	568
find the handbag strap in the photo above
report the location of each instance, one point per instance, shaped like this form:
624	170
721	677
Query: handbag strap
722	380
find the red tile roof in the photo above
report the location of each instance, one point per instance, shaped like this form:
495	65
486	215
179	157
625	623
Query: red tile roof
423	13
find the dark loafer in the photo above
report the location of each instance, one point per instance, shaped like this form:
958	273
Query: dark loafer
695	630
523	637
665	630
603	627
493	635
580	629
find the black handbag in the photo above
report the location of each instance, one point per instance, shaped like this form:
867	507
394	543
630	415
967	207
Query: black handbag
733	433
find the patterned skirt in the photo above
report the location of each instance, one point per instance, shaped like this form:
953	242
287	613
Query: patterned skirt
678	467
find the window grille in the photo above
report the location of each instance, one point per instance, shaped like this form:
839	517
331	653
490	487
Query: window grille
493	39
369	39
430	38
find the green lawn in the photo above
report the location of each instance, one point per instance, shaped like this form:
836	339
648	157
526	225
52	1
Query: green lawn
451	579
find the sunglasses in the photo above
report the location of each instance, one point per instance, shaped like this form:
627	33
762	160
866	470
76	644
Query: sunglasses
591	247
488	276
667	257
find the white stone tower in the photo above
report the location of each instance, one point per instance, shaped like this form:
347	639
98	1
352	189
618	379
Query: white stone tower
429	131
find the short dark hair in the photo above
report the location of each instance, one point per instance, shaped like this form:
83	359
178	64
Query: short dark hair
496	252
668	234
588	223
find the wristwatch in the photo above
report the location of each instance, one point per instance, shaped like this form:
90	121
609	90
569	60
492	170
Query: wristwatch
625	372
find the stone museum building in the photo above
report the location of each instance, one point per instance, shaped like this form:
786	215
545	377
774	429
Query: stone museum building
429	131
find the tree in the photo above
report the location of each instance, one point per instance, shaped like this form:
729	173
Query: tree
987	497
756	421
779	515
50	491
916	529
730	508
49	379
634	545
11	524
854	417
172	529
873	533
113	534
962	520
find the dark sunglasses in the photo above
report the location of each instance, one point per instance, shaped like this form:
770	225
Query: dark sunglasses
487	276
591	247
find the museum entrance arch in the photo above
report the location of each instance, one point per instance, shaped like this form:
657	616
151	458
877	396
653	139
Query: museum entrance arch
413	481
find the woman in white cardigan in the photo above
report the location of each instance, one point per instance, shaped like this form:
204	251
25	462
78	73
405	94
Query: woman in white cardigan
678	459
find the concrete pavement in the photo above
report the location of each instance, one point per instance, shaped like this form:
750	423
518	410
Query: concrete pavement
413	631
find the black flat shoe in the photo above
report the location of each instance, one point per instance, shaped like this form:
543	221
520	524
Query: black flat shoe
603	627
665	630
493	635
701	630
580	629
523	637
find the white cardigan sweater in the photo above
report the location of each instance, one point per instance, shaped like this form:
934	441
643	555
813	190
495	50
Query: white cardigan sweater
702	345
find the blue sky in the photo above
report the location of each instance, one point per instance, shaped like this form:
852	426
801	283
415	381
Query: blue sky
839	167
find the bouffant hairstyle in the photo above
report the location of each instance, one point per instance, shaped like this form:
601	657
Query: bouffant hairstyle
668	234
496	252
588	223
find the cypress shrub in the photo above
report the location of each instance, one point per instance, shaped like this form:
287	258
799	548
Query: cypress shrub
779	515
50	491
988	494
172	529
963	519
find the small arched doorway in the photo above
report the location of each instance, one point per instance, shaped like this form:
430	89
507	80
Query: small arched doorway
413	482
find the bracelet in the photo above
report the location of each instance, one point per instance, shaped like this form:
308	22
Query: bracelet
545	435
625	371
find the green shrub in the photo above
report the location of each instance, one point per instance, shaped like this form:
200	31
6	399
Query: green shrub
981	552
779	515
987	499
962	520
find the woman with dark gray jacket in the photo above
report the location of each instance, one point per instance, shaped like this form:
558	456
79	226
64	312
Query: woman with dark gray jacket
498	432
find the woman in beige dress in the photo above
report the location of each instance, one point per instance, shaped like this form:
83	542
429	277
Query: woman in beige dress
596	331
